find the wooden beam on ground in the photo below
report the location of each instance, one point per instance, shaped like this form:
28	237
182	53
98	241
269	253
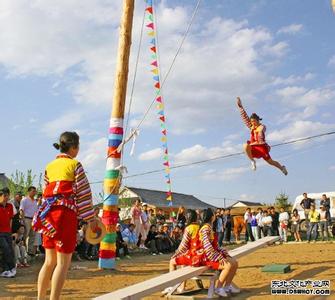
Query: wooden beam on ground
159	283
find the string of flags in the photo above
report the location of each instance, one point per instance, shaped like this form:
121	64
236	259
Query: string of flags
150	24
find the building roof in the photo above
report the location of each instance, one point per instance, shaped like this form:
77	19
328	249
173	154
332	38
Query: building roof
3	180
246	203
158	199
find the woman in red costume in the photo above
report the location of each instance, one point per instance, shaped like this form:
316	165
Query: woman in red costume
257	146
217	258
67	195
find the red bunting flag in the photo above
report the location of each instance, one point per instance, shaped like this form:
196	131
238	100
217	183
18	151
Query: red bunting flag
159	99
149	9
153	49
162	118
164	131
166	164
151	25
157	85
155	63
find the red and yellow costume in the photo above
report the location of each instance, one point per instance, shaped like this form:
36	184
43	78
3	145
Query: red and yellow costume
213	256
67	194
259	147
189	252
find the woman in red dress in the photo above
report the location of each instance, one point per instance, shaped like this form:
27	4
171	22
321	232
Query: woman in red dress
257	147
66	196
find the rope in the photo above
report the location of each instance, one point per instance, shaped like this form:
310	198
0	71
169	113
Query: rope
173	60
227	156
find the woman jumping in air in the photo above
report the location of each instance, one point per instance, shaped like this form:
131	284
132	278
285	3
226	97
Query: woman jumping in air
257	146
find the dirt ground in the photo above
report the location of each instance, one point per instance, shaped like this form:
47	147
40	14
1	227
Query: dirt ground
85	281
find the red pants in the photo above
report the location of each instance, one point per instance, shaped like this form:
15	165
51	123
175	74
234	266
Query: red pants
64	221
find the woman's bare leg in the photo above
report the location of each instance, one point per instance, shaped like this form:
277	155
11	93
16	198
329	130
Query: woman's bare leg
247	150
44	277
232	272
224	274
59	274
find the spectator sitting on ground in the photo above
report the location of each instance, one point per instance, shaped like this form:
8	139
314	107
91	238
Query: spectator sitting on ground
295	219
20	248
160	217
129	236
283	224
313	218
153	242
176	236
164	236
267	224
6	240
121	244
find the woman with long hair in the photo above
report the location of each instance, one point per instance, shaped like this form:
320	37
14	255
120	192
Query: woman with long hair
67	196
295	219
217	258
257	147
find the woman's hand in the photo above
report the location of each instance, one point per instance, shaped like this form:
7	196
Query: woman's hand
239	102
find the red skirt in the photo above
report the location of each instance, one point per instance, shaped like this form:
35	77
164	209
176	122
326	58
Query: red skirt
261	151
64	220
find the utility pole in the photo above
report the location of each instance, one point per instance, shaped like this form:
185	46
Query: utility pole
112	181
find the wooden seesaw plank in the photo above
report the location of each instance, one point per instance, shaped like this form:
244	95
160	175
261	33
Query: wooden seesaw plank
159	283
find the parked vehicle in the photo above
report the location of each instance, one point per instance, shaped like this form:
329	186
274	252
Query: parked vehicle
317	197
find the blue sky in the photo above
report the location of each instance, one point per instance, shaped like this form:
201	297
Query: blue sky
57	63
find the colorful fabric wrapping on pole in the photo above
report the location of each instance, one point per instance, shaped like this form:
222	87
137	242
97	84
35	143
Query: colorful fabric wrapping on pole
110	213
150	24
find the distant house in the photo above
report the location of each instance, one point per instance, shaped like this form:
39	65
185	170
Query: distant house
245	204
158	199
4	180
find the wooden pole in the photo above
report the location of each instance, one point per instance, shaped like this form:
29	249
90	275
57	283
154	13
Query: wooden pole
112	179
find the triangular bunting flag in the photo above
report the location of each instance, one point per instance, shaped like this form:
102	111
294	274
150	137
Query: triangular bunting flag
166	151
162	118
166	164
153	49
167	170
163	139
150	17
149	9
151	25
155	71
157	85
169	199
161	112
153	42
166	157
156	78
159	99
169	181
155	63
164	131
151	33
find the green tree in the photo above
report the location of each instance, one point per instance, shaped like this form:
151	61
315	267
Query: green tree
21	181
282	201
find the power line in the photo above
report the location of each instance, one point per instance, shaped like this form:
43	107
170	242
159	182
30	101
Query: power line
226	156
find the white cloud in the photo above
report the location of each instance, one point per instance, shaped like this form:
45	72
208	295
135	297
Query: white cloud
225	175
66	122
290	29
247	197
310	99
151	154
331	168
94	153
198	152
293	79
332	61
78	41
299	129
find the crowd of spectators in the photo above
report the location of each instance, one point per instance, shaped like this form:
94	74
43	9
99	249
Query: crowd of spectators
154	232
